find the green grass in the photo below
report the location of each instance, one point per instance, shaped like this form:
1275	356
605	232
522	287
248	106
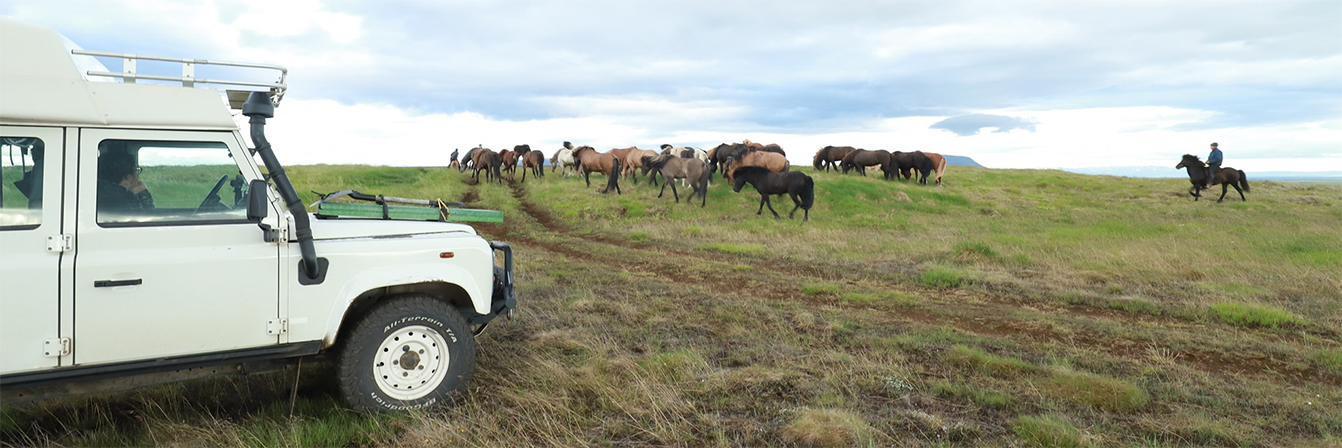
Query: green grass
1330	360
1099	391
733	248
1136	306
945	277
1049	431
1249	315
820	289
986	362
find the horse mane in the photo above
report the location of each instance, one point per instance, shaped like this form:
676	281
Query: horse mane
1193	156
747	170
658	161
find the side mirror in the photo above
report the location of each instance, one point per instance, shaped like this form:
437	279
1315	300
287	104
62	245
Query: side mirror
257	202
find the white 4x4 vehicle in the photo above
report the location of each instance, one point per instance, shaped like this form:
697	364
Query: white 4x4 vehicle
142	242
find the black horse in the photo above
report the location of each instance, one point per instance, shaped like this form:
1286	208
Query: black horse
1227	177
796	185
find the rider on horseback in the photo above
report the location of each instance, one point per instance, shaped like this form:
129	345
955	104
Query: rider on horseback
1213	164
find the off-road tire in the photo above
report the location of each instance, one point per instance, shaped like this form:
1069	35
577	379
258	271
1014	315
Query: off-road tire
372	358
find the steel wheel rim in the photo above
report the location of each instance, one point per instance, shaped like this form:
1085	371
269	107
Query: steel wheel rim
423	350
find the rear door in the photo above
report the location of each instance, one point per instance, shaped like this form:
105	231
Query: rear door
30	214
190	275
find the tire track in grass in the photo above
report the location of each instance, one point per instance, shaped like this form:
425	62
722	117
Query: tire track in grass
989	317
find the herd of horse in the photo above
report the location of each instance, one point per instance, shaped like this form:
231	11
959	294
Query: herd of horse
892	164
765	167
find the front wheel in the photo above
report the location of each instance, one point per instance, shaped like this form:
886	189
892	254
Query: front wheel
410	352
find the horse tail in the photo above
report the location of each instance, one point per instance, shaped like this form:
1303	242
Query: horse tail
786	165
1243	181
808	193
613	181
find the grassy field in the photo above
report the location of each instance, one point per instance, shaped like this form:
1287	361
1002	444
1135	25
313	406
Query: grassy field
1006	308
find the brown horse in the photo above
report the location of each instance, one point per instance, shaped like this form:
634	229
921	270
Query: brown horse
589	160
633	161
861	159
673	167
508	160
534	161
906	163
938	164
830	156
771	161
1197	174
488	161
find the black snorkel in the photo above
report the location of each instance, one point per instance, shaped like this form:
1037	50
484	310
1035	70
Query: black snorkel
258	107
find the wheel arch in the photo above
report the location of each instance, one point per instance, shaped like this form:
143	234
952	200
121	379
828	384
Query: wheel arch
361	304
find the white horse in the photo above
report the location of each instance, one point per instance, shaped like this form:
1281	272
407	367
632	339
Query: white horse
563	159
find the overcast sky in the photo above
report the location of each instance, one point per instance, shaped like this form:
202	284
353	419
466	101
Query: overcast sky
1013	84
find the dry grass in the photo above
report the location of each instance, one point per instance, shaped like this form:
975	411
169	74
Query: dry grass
1079	313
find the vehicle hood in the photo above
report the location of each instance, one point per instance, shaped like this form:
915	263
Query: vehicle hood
333	229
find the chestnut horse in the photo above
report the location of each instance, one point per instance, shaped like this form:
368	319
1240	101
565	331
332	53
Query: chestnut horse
589	160
1226	176
508	160
830	156
938	165
860	159
534	161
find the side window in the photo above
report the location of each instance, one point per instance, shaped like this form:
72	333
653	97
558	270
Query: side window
168	183
21	182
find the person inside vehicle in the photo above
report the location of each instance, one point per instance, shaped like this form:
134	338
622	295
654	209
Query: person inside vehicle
119	186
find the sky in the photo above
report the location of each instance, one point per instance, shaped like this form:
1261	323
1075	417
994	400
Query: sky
1012	84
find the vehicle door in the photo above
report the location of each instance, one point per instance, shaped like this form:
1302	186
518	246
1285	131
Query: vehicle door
180	272
30	214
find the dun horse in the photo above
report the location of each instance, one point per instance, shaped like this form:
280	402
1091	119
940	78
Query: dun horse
563	158
796	185
1197	175
672	167
589	160
769	160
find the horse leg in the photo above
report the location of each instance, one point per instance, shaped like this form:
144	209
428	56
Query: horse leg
660	193
771	207
1241	192
796	199
763	197
1223	193
673	191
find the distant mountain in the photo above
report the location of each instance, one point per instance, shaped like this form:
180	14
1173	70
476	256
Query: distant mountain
961	161
1160	171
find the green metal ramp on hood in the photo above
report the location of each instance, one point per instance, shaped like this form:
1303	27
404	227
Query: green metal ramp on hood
382	208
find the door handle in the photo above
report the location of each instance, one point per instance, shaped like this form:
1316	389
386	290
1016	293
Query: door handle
112	283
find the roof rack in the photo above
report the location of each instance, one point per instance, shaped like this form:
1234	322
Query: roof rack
189	79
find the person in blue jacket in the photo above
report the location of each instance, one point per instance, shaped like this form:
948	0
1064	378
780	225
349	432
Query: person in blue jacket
1213	164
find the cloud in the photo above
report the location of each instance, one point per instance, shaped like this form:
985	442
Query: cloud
966	125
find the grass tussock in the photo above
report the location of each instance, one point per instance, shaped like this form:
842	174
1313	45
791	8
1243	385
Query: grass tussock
820	289
946	277
982	361
1049	431
1250	315
1098	391
827	428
